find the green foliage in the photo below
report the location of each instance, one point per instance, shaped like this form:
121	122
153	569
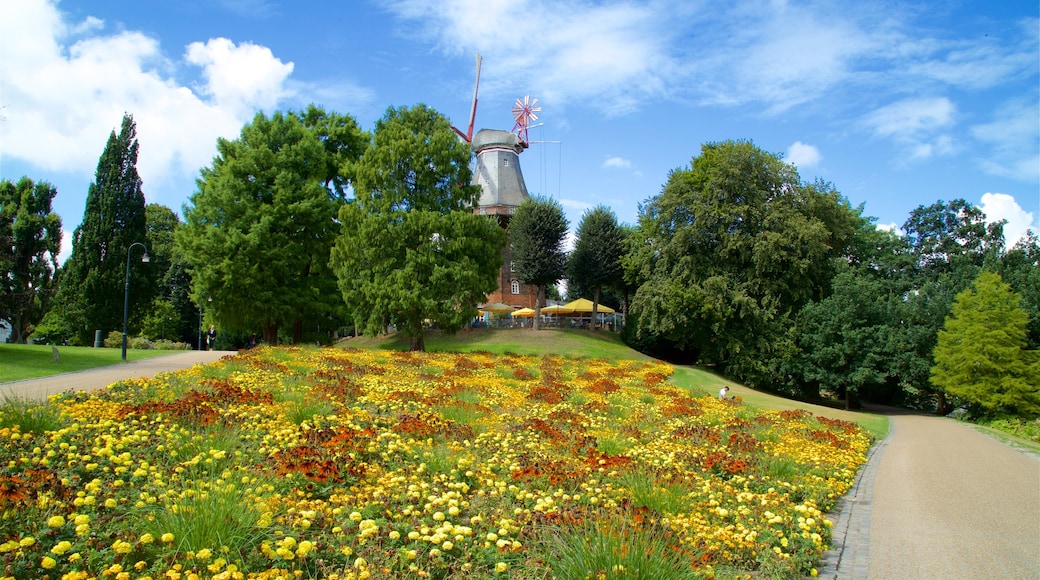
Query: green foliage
536	234
981	353
727	252
1020	268
596	259
90	294
29	416
30	240
617	548
410	250
259	230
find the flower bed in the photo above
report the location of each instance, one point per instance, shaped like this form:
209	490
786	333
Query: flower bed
323	463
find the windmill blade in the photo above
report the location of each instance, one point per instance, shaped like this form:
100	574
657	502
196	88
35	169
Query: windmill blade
468	135
473	111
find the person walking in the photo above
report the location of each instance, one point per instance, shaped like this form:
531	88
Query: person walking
211	337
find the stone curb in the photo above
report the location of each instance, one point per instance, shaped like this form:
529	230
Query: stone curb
849	556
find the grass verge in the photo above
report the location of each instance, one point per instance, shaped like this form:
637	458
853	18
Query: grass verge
30	361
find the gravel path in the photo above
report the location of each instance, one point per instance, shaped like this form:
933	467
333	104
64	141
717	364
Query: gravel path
940	500
101	377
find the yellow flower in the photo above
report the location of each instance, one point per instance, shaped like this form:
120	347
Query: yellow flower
501	567
55	522
147	538
61	547
48	563
167	538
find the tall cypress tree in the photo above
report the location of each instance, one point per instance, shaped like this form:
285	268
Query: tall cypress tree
92	282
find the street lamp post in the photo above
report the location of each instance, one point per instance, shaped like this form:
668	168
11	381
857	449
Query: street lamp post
200	320
126	289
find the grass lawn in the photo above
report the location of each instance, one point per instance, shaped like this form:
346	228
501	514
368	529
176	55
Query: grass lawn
29	361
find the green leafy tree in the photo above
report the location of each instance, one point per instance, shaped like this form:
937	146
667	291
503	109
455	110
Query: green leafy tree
536	233
260	227
950	243
596	259
1020	268
982	355
172	314
30	240
90	293
411	251
730	249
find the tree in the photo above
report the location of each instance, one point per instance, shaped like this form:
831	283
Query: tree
172	314
260	227
411	250
536	234
30	240
90	294
1020	268
596	259
981	353
949	244
730	249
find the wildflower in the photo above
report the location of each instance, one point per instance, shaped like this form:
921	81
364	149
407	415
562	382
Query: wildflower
47	563
55	522
27	541
61	547
501	567
166	538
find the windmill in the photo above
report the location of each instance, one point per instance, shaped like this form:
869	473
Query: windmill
502	188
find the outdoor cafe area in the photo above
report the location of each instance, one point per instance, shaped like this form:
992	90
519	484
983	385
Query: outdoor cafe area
575	314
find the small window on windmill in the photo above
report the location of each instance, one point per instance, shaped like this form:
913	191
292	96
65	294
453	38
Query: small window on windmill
514	286
512	267
505	163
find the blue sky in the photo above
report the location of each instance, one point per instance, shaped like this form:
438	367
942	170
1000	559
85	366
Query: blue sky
897	105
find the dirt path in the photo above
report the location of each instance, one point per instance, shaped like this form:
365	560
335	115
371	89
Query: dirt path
940	500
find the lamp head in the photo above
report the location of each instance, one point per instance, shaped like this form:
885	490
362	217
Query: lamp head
145	258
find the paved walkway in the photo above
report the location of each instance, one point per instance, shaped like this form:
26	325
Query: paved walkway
43	387
937	499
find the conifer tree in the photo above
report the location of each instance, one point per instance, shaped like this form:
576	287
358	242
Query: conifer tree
596	259
536	234
90	296
981	354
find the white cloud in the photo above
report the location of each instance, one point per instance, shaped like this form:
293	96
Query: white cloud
1001	206
1013	135
919	125
890	227
803	156
617	163
65	93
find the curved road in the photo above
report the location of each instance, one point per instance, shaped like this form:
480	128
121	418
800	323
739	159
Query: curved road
940	500
936	499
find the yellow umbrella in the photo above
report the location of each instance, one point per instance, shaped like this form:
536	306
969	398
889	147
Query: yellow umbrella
585	305
522	313
556	309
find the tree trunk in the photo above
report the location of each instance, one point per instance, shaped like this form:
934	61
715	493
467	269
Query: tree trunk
270	332
595	307
941	405
538	300
417	344
297	330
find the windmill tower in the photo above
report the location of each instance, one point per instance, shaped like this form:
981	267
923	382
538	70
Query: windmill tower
502	187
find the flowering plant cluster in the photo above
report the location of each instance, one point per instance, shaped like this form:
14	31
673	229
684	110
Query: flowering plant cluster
328	463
